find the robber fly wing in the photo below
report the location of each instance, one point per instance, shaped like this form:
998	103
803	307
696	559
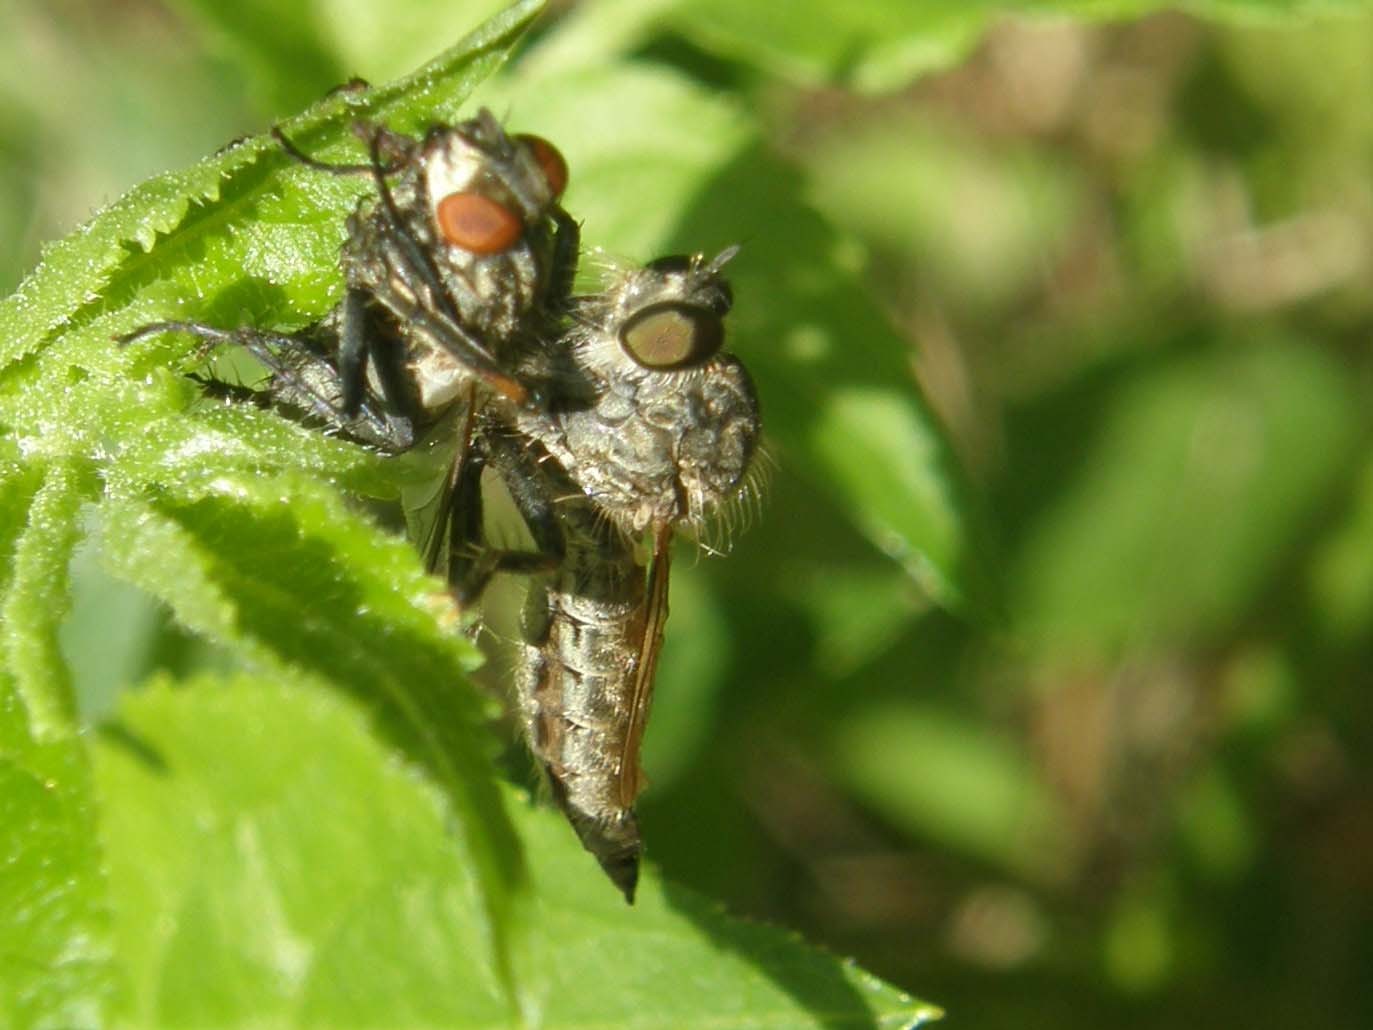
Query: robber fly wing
645	669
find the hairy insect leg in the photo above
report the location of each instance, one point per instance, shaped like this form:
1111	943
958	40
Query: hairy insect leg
303	378
386	352
363	338
450	335
394	141
567	244
471	563
270	349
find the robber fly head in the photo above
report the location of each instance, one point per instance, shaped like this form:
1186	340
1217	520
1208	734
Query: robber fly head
667	423
666	316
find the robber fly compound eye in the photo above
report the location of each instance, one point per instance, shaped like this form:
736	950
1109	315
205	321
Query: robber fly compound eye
477	223
549	160
672	335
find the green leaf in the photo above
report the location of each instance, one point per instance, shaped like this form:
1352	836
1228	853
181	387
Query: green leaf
834	375
55	951
293	51
280	570
111	635
857	611
1341	576
974	223
881	45
18	485
946	777
271	863
56	967
36	600
216	513
281	47
872	46
1204	471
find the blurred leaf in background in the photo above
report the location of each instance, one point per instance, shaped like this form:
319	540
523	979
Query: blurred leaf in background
1041	683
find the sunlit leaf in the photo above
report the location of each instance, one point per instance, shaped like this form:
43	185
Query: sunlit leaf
270	861
55	954
35	601
220	525
940	775
294	52
882	44
57	966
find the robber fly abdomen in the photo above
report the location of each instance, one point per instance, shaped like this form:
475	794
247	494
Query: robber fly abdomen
660	433
584	627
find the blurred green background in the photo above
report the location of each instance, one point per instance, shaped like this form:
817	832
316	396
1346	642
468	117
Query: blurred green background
1133	261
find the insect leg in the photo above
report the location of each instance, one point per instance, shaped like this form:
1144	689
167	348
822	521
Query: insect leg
304	378
469	574
268	348
300	157
567	242
414	259
362	337
466	545
414	256
352	350
448	333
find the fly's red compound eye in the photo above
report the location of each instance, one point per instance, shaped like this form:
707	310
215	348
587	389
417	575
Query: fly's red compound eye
550	160
478	224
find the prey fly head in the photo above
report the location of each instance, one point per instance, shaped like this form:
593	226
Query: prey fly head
486	189
467	253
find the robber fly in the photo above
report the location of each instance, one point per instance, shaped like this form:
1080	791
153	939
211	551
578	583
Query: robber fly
657	430
611	419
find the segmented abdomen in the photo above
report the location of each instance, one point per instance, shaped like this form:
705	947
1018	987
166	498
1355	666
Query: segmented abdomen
583	628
